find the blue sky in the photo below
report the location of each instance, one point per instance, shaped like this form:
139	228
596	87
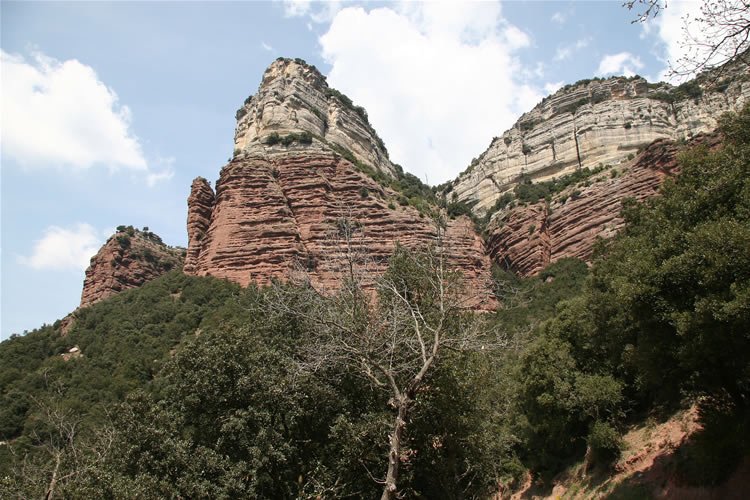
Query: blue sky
109	110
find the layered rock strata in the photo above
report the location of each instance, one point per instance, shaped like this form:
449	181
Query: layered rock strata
598	122
299	195
306	211
525	239
127	260
200	206
294	98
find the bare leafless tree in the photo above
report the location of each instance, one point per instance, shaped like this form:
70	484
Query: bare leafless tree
721	33
59	455
395	336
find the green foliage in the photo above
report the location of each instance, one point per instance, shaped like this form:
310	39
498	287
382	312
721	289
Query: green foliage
124	341
605	442
531	192
500	204
688	90
528	125
123	240
662	317
301	137
679	277
202	383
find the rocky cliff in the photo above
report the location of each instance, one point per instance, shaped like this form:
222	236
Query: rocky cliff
294	99
128	259
302	187
598	122
528	237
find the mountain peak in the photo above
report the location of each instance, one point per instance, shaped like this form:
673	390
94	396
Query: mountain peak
295	108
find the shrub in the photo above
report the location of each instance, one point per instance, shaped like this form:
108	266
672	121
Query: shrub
273	138
123	240
605	442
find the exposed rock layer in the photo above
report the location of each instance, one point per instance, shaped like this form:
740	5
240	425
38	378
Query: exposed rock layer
200	206
128	259
525	239
598	122
283	203
276	214
294	98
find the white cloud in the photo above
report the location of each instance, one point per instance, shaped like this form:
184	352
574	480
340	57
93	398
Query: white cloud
567	51
559	18
563	53
437	79
319	12
623	63
267	47
64	248
165	172
60	114
295	8
669	27
552	87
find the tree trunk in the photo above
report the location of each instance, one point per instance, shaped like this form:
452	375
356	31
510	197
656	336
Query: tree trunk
53	481
394	455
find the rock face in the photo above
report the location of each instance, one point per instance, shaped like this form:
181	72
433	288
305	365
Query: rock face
525	239
598	122
200	206
281	213
294	98
128	259
301	204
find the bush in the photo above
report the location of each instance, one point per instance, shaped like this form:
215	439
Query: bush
273	138
605	442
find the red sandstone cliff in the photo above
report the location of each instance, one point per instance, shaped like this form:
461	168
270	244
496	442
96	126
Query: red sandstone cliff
303	165
128	259
525	239
279	212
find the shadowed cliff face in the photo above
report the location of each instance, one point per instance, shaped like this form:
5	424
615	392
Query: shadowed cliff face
525	239
598	122
127	260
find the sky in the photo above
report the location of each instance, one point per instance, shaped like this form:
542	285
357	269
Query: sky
109	110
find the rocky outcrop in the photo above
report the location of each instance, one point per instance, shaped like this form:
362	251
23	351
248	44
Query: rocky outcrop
304	211
598	122
128	259
200	206
300	194
294	98
525	239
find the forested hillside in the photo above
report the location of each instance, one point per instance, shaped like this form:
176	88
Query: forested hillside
194	387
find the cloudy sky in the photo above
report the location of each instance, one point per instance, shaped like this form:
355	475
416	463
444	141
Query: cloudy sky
109	110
